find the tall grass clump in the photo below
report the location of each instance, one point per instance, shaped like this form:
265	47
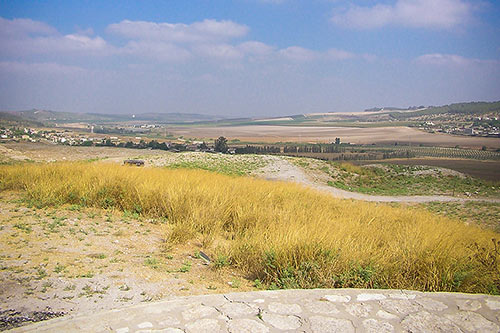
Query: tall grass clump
282	234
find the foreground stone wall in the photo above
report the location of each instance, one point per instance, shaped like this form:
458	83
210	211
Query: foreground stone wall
318	310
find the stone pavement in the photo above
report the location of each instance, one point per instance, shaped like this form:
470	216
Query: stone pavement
318	310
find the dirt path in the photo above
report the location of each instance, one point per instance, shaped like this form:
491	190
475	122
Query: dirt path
283	170
276	167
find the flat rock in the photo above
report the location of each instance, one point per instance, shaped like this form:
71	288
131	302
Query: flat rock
246	326
164	330
370	297
316	310
198	311
399	306
320	324
145	324
282	308
402	295
204	325
468	304
282	322
322	307
427	322
473	322
431	304
337	298
386	315
169	321
358	309
493	304
237	310
377	326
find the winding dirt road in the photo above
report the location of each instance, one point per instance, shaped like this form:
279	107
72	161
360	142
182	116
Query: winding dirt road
282	170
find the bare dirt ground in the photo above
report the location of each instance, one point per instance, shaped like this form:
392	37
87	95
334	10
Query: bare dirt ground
66	260
379	135
44	152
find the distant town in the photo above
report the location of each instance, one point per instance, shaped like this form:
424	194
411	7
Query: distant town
461	124
72	138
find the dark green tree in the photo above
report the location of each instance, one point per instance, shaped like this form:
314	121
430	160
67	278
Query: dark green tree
221	145
203	146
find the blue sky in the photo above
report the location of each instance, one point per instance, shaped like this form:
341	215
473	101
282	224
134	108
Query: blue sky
246	57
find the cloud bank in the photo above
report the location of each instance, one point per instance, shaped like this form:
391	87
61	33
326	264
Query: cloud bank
439	14
221	67
162	42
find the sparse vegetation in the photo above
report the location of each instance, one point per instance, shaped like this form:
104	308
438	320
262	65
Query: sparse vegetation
151	262
282	234
484	214
393	179
225	164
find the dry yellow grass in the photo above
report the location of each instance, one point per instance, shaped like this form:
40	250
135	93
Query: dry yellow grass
285	235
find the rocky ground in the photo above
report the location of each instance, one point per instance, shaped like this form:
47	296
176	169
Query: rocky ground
317	311
69	260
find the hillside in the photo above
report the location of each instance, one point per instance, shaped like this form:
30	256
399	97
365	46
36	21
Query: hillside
282	234
373	117
49	117
8	119
476	108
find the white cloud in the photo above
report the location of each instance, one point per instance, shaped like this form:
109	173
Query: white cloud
337	54
297	53
179	32
410	13
21	37
69	43
220	51
162	51
153	42
300	54
22	27
451	60
256	48
41	68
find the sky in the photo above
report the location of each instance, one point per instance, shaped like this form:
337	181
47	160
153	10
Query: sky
246	58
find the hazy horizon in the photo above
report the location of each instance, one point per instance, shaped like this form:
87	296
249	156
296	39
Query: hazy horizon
247	58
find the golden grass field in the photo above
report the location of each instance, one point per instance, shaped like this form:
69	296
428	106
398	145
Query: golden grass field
282	234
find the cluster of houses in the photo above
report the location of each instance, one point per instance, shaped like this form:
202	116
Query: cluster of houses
472	126
67	137
36	135
27	134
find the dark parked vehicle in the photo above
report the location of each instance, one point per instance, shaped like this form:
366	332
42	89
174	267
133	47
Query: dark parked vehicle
134	162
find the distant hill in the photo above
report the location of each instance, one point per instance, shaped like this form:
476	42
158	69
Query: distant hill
381	114
48	116
393	108
176	117
55	116
471	108
8	119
